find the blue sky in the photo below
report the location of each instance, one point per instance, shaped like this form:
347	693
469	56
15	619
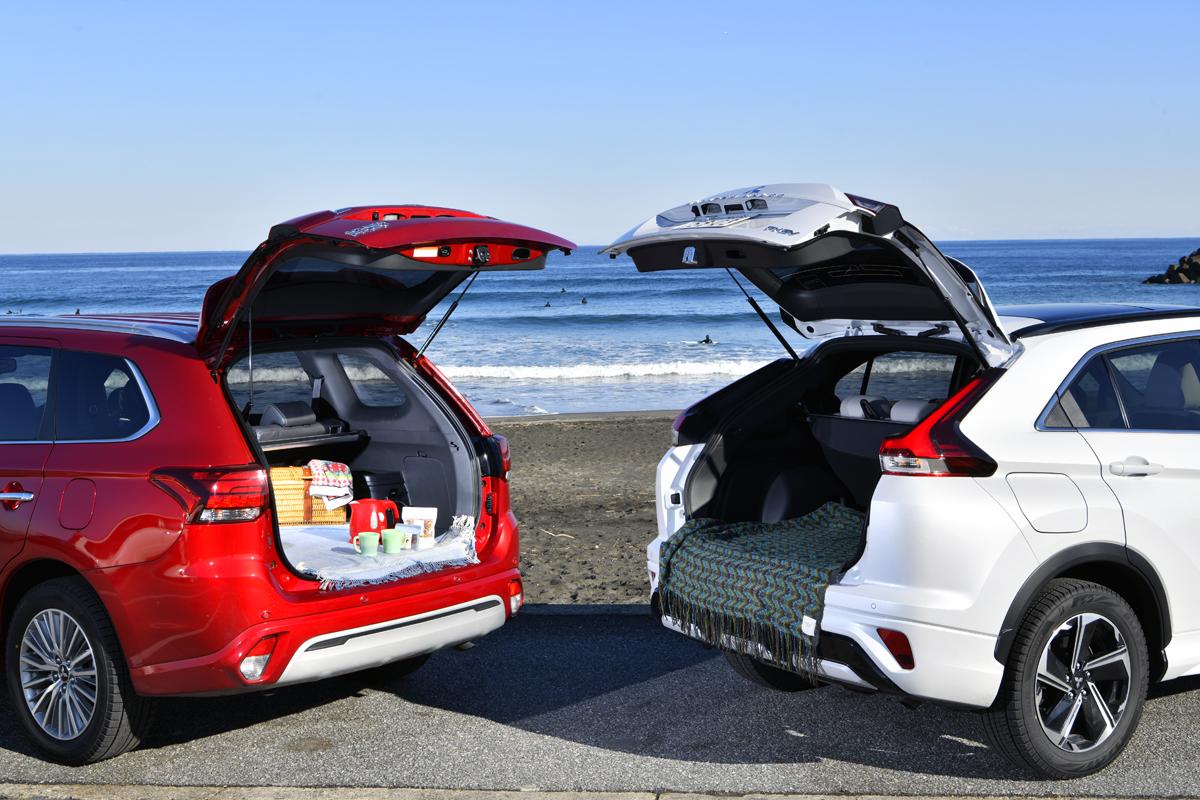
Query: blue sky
175	126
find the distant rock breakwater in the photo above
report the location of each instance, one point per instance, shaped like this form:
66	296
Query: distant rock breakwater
1186	270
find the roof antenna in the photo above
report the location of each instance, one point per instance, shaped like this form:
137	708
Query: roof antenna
438	328
763	316
250	365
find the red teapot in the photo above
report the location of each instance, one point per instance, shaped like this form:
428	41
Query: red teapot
372	515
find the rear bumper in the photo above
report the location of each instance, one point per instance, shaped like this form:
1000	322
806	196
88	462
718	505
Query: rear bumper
953	666
317	646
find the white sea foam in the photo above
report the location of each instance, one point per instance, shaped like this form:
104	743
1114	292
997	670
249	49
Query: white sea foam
592	371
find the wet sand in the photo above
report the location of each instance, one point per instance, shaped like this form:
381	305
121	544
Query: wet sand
583	491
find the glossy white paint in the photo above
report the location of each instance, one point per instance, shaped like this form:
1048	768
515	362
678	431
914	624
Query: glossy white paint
1050	501
946	558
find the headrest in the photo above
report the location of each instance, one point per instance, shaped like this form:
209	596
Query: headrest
288	415
1164	386
912	410
852	406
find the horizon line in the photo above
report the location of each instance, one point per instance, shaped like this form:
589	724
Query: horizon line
583	246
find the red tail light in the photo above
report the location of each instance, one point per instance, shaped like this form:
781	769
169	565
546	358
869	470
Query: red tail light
935	446
899	646
505	454
230	494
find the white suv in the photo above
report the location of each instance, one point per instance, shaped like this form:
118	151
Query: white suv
1030	547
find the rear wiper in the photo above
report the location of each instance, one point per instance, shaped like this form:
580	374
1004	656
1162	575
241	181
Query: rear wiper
441	322
763	316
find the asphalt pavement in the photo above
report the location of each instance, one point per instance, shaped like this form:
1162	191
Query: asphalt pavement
599	702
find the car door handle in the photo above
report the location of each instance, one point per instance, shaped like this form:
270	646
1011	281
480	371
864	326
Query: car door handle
1134	467
11	501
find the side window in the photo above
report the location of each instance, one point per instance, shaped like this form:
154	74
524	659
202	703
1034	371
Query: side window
1089	402
278	378
97	398
1160	385
902	375
372	385
24	386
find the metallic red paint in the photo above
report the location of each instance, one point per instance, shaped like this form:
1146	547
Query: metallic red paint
189	600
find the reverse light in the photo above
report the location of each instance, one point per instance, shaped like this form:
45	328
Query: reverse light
898	645
516	596
232	494
936	447
254	663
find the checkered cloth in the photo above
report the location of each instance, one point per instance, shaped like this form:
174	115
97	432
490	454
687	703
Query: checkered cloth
750	585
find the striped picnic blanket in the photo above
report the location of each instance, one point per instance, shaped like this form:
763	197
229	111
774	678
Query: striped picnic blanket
758	582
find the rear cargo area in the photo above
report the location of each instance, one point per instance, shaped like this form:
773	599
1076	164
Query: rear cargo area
777	502
755	586
357	406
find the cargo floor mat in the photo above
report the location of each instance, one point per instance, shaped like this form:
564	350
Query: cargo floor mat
759	584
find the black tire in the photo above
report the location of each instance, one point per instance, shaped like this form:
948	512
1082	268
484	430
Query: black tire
120	717
766	675
1096	733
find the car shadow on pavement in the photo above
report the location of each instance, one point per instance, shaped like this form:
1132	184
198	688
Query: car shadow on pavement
620	683
624	683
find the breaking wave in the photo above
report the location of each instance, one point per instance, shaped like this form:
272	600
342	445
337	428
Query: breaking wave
591	371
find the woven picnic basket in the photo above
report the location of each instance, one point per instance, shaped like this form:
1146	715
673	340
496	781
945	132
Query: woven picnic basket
294	505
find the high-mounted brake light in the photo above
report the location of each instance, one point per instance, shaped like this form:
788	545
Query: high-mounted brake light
231	494
936	447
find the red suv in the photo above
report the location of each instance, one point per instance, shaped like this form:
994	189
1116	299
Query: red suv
141	550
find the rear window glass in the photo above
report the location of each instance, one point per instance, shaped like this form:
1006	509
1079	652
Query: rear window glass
24	383
900	376
1089	402
372	385
277	378
97	398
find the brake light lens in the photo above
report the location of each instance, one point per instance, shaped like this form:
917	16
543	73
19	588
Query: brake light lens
898	645
936	447
231	494
505	455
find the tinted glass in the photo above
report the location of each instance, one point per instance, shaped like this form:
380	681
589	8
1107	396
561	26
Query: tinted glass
1089	402
278	378
96	398
372	385
1160	385
24	382
902	376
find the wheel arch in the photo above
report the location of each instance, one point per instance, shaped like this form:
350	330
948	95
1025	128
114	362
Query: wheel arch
24	578
1114	566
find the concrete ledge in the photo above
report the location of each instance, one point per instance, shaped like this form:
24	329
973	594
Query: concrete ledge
126	792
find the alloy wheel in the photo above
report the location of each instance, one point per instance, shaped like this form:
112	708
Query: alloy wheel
58	674
1083	683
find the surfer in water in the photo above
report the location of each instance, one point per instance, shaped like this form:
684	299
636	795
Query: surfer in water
707	340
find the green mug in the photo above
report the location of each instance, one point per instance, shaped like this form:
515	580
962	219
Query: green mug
367	543
399	538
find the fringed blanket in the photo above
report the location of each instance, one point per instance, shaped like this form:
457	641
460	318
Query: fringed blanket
760	584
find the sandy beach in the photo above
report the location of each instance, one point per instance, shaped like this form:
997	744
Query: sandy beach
583	491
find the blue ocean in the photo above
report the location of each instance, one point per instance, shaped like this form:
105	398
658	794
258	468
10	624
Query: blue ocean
590	333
